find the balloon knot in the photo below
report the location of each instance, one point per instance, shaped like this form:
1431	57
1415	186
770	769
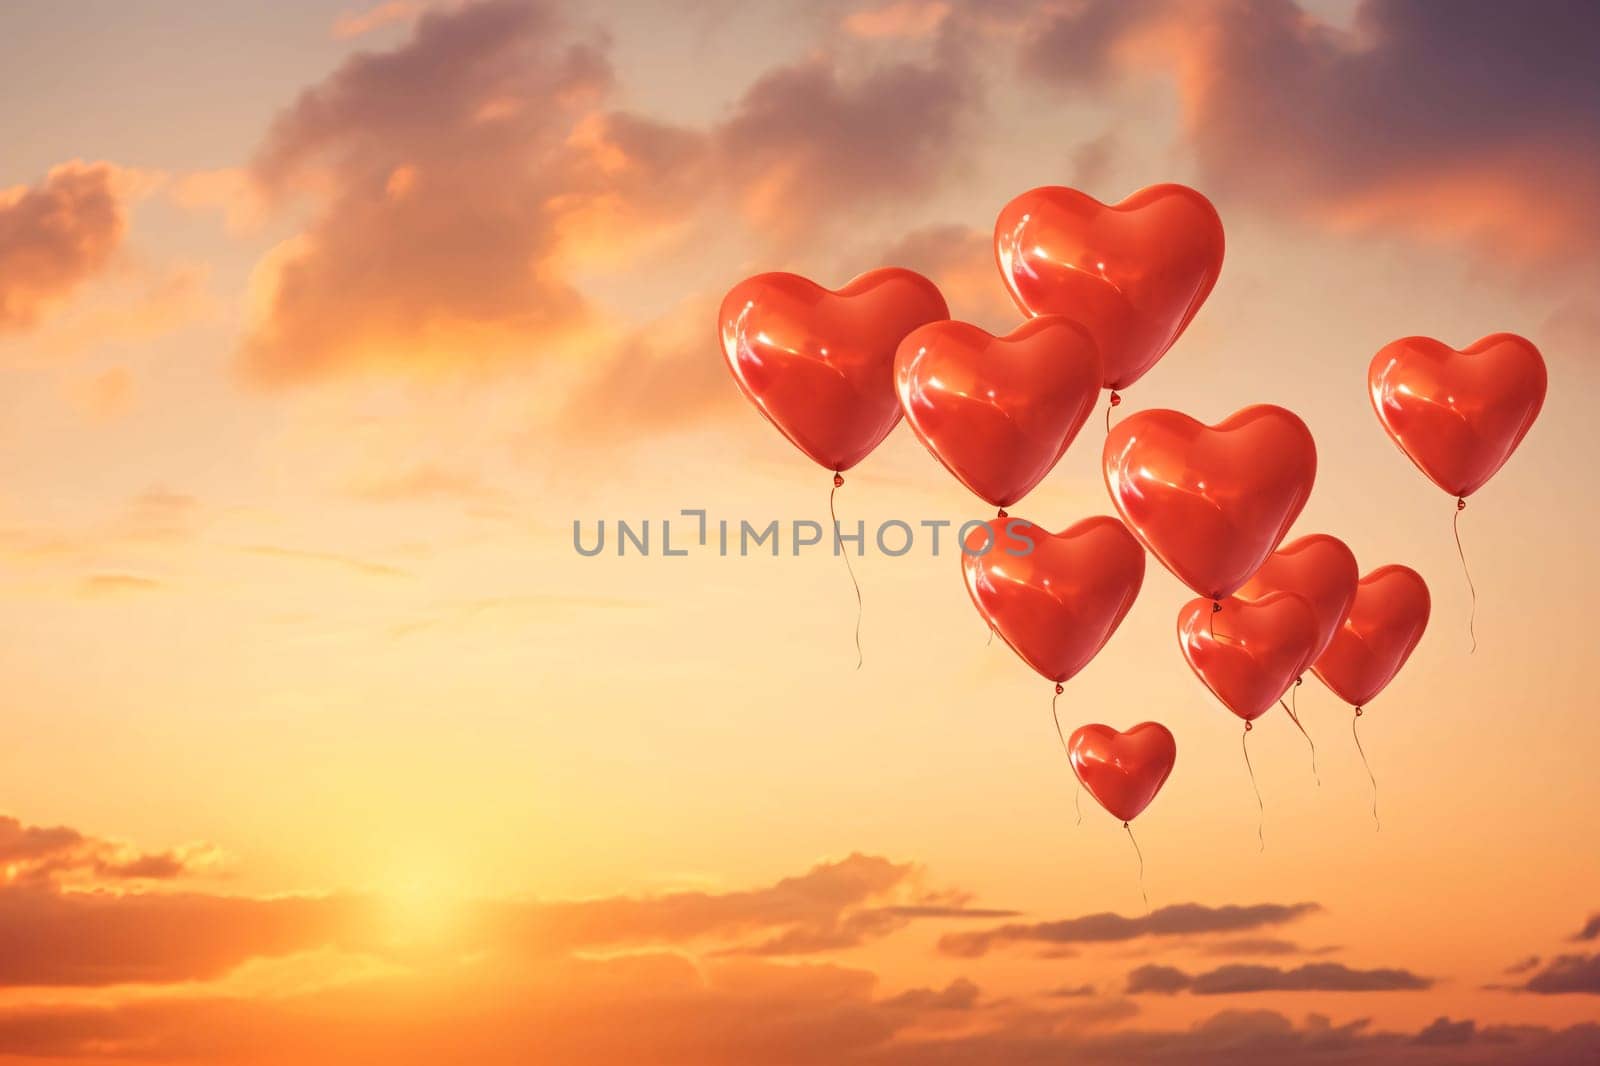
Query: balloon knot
1059	689
1249	726
1116	400
1002	513
1215	606
1125	825
1299	681
838	480
1358	712
1461	503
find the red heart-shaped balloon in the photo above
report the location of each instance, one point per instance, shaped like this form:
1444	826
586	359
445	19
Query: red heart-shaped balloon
1250	652
1056	598
998	412
1211	502
1375	640
1458	415
1123	771
1133	273
1320	568
820	364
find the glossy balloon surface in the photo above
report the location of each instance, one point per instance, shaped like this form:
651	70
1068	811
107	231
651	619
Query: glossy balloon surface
1057	602
1458	414
1385	623
820	364
1320	568
1133	273
1250	652
998	412
1123	771
1211	502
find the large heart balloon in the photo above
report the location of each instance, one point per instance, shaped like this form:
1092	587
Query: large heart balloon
1133	273
1320	568
1385	623
1458	414
1251	651
820	364
1123	771
998	412
1211	502
1056	598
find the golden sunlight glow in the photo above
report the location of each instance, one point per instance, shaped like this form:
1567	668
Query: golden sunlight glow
420	905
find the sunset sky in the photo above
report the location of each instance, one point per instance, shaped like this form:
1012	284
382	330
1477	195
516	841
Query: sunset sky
321	324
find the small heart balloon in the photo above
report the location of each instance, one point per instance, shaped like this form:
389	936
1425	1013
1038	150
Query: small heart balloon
1123	771
1250	652
998	412
1056	598
820	364
1458	414
1318	567
1133	273
1373	643
1211	502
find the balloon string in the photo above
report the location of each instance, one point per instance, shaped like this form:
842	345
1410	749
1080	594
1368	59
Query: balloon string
1057	716
1140	854
1364	762
1472	617
1296	720
1294	706
1077	799
991	637
838	543
1261	825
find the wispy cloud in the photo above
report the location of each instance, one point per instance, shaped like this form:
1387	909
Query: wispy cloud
1567	974
56	235
1398	126
1240	978
32	855
450	173
1182	919
100	585
1259	946
358	22
1590	930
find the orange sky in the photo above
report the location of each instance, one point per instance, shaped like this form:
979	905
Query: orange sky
321	324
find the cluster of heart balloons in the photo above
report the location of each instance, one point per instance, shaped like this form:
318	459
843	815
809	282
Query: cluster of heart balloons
1107	290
